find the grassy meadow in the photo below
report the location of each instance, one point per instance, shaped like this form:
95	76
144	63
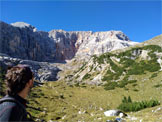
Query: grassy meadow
60	102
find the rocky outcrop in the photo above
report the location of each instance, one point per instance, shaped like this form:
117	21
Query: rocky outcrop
114	67
22	40
43	71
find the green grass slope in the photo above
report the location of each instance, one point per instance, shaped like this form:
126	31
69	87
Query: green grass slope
61	102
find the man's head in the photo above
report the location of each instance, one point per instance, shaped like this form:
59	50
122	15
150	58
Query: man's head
18	78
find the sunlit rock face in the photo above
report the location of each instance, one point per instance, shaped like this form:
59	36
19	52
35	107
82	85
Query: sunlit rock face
101	42
22	40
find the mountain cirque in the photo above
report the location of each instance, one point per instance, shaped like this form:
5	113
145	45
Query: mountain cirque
21	40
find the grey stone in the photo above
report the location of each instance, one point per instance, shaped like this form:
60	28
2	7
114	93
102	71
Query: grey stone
114	113
43	71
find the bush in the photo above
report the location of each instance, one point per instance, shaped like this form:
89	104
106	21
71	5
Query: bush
125	81
127	62
136	69
86	76
154	48
91	67
120	84
102	58
128	106
113	76
126	100
82	67
139	68
153	66
153	75
77	85
110	85
158	85
136	90
126	53
77	76
108	78
134	85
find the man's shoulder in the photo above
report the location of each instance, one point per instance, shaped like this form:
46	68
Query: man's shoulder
7	99
10	110
9	102
10	105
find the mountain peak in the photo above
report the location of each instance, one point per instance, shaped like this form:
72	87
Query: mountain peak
119	35
20	24
24	25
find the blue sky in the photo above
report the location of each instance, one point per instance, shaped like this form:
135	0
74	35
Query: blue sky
139	20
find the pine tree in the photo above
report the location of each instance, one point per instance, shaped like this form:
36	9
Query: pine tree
129	99
124	100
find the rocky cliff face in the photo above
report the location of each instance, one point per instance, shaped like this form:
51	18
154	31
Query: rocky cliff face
22	40
43	71
101	42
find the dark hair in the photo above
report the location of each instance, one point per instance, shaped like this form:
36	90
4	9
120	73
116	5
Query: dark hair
16	78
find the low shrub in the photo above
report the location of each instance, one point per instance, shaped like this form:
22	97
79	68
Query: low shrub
91	68
77	85
153	75
158	85
127	62
82	67
108	78
136	90
153	66
77	76
110	85
134	85
102	58
154	48
86	76
120	84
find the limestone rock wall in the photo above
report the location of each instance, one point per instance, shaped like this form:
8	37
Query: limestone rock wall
21	40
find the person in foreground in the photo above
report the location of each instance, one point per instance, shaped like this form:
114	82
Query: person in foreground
19	80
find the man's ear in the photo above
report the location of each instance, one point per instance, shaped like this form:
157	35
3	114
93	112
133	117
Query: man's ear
30	83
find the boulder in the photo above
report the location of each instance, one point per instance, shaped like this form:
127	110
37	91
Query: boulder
114	113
